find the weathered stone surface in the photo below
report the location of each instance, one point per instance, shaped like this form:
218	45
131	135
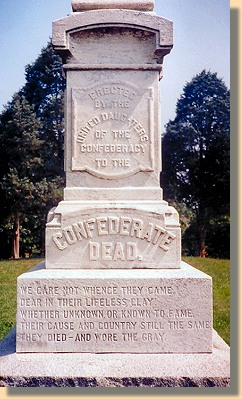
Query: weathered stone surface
113	63
114	370
109	142
84	5
91	20
138	311
112	135
112	103
112	145
123	236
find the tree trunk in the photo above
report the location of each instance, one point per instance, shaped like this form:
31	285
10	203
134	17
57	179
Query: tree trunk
203	250
16	237
202	236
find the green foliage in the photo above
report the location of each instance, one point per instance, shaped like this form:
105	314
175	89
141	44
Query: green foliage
218	269
44	89
20	139
196	156
217	237
31	151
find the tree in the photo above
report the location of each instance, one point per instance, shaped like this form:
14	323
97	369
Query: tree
32	154
196	153
44	89
26	193
20	146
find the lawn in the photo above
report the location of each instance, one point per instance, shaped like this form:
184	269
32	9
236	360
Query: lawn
218	269
9	271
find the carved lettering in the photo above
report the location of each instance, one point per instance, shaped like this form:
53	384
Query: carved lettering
199	324
112	148
100	134
70	290
114	116
75	302
111	104
30	337
165	290
60	325
31	325
130	337
57	337
121	163
112	123
86	325
83	337
105	302
106	337
176	325
121	134
110	226
87	128
135	313
30	302
152	337
118	312
120	90
47	290
117	325
39	314
83	314
26	289
151	325
109	251
58	240
101	163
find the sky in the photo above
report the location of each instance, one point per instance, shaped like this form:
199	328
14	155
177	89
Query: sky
201	41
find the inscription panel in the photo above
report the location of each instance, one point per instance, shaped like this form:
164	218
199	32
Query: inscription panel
118	239
113	130
116	315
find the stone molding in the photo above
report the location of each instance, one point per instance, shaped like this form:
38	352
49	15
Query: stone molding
85	5
162	27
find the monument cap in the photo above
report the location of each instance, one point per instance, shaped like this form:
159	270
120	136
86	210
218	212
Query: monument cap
86	5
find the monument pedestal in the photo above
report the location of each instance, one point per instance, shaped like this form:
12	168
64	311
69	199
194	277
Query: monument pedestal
114	369
114	311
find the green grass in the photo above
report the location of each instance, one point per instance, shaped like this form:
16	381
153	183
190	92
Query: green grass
9	271
218	269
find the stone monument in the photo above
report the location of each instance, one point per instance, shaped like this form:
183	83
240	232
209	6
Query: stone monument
113	283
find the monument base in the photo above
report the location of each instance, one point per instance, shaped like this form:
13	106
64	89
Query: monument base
113	370
114	311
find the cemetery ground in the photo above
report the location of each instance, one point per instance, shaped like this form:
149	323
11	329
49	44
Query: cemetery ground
218	269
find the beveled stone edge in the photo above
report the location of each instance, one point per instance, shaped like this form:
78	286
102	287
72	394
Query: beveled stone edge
113	194
185	271
129	67
86	5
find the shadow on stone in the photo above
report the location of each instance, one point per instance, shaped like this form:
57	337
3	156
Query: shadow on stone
8	345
